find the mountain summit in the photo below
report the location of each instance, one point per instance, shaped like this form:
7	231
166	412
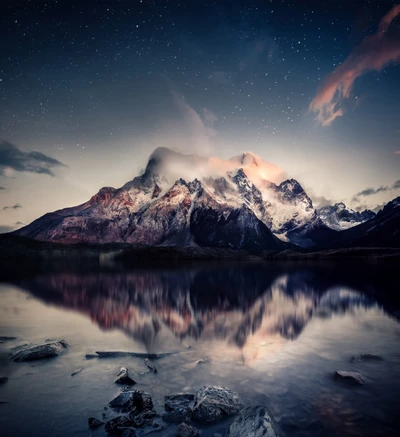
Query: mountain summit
188	200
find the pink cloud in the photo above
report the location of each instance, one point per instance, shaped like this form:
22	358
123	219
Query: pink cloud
397	152
374	53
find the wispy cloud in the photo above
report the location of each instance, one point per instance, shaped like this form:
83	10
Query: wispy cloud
374	53
15	207
11	157
372	191
201	127
397	152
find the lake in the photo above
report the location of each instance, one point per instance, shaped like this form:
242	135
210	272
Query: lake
274	333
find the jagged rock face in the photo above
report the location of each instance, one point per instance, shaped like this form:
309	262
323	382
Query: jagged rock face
224	207
340	217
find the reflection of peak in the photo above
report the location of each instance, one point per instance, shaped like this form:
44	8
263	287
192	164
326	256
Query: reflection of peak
225	303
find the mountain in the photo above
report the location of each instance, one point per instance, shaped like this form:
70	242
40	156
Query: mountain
216	204
383	230
240	203
340	217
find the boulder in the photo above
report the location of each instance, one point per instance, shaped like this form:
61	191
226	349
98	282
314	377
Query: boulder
366	357
47	350
124	378
185	430
132	400
118	425
178	407
150	365
94	423
214	402
253	422
145	418
353	378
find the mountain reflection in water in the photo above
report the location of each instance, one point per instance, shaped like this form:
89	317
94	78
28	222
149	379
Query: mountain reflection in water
275	333
243	307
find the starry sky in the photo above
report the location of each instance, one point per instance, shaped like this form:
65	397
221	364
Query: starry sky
89	88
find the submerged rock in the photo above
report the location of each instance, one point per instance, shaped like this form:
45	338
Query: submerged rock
253	422
132	400
150	365
124	378
366	357
3	379
215	402
75	372
354	378
47	350
145	418
178	407
115	354
94	423
185	430
118	425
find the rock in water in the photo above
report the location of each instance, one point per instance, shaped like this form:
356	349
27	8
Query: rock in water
118	425
253	422
145	418
124	378
47	350
215	402
354	378
178	407
3	379
75	372
94	423
366	357
132	400
150	365
185	430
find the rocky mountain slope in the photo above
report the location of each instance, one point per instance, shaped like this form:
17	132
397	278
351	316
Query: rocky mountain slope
187	200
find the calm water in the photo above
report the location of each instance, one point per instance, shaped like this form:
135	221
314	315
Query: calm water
273	333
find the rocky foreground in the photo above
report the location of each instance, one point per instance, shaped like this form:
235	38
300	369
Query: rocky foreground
133	413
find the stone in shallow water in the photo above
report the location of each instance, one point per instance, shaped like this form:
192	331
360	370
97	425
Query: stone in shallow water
124	378
150	365
253	422
118	425
178	407
366	357
354	378
47	350
145	418
94	423
215	402
132	400
185	430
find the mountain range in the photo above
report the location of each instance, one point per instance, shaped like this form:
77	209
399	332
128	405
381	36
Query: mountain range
240	203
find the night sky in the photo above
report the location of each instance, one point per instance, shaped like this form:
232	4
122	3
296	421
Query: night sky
88	89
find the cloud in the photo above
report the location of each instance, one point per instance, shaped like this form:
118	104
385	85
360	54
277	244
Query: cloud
372	191
397	152
15	207
201	127
321	201
374	53
2	188
11	157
